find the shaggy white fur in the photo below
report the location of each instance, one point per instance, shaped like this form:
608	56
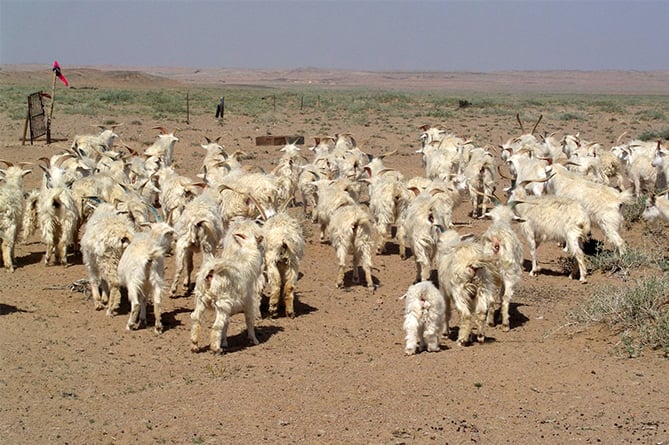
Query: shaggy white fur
424	317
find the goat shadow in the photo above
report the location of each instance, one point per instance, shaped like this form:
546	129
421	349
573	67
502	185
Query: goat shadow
6	309
516	319
527	267
240	341
348	279
301	308
169	318
28	260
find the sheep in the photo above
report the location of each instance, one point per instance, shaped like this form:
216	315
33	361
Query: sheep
424	318
555	218
11	210
500	242
469	280
351	231
283	245
58	214
198	226
141	271
601	202
230	284
107	234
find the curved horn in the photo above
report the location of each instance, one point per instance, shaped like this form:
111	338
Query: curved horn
161	129
520	123
9	164
259	207
499	170
620	137
381	156
541	116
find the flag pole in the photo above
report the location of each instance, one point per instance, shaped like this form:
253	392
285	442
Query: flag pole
53	99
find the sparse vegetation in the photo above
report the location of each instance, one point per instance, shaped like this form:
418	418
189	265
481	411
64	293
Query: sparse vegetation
638	311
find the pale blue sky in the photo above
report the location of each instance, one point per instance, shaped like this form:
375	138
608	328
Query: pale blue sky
361	35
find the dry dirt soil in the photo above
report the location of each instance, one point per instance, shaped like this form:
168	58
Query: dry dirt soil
336	373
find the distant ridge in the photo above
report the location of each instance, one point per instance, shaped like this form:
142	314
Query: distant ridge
512	82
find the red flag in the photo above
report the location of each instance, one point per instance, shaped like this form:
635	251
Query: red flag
56	69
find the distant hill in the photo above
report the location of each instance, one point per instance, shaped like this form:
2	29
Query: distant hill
513	82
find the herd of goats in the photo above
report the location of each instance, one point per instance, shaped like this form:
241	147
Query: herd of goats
134	209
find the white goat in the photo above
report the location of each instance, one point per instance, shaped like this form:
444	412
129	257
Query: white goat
230	285
283	249
11	210
662	165
552	218
430	208
163	147
58	214
500	242
331	196
468	279
92	145
657	207
199	227
601	202
389	198
424	318
106	235
351	231
141	271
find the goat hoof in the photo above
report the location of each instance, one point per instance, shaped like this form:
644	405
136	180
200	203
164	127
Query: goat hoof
158	329
480	338
505	328
194	348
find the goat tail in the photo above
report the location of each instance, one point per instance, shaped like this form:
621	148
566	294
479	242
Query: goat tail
29	221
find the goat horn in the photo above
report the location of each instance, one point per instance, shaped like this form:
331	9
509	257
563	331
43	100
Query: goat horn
162	129
388	154
9	164
541	116
499	170
620	137
522	130
259	207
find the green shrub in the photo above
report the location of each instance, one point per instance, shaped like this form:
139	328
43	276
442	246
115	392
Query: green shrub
650	135
639	312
